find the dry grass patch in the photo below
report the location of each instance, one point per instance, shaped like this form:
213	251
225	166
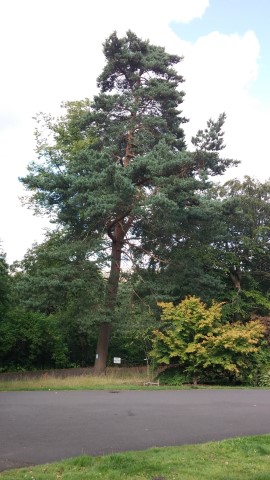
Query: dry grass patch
113	379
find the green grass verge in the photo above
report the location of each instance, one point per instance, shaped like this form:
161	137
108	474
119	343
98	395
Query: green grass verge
246	458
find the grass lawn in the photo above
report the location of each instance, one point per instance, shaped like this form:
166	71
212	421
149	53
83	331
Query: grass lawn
246	458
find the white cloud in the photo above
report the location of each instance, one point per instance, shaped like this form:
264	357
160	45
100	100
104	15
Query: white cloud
219	70
52	51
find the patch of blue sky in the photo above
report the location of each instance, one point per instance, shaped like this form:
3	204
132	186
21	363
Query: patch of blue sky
236	16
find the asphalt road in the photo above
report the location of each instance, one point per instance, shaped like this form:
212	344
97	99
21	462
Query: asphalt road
41	427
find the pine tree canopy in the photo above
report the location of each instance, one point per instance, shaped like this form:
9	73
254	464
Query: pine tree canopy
134	123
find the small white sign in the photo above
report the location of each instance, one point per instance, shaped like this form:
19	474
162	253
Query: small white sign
117	360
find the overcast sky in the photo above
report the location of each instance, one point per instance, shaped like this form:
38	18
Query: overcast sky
51	51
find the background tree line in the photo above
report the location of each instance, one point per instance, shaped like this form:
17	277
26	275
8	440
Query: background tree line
138	221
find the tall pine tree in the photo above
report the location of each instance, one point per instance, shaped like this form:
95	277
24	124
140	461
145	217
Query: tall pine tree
133	180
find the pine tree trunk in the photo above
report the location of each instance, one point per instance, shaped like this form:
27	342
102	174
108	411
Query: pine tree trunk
102	348
116	231
236	278
112	289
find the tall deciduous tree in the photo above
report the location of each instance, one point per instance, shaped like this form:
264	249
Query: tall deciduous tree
240	248
246	214
57	276
133	180
59	281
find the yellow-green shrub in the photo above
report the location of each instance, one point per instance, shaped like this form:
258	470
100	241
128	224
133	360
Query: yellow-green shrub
195	337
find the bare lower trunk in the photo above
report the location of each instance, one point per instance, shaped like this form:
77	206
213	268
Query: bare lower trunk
112	289
102	348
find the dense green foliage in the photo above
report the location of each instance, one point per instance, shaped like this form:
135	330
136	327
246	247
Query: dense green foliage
58	291
4	286
242	247
115	177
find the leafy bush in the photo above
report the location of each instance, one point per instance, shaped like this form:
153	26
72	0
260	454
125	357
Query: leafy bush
173	376
31	340
264	379
194	336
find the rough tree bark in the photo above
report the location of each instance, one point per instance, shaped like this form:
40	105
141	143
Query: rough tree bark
235	275
112	288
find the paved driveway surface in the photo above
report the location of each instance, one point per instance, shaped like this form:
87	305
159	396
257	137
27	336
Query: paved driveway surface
40	427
